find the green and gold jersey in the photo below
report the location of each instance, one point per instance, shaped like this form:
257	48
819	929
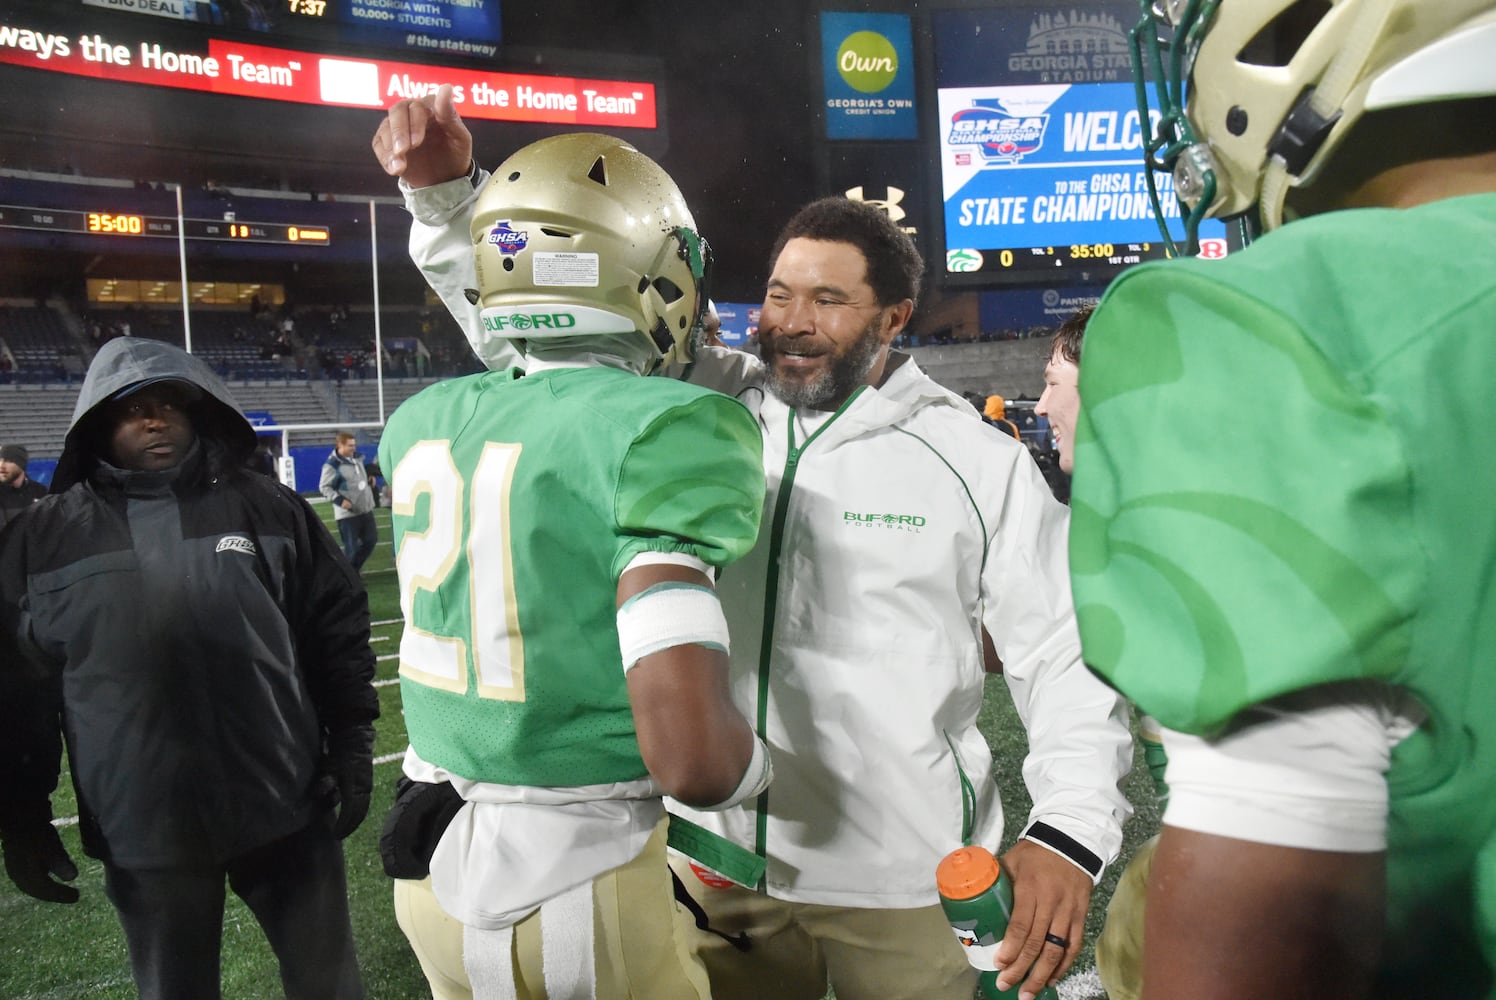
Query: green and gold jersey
518	501
1284	472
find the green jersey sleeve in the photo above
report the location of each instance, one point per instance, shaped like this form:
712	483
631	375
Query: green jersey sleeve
1240	504
692	482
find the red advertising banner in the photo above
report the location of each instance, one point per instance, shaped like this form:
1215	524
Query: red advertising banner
277	74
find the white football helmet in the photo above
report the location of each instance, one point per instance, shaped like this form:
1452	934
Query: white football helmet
1256	95
582	235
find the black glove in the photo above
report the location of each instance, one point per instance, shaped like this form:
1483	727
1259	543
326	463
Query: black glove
348	772
352	782
34	855
420	815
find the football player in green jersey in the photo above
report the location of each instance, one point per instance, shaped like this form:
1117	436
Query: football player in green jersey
557	529
1303	594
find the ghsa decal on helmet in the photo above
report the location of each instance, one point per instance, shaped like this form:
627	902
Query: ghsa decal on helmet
504	238
582	235
1251	98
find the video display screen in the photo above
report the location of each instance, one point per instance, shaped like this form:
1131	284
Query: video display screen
1040	146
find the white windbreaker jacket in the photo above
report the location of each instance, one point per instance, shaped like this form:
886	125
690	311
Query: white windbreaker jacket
891	535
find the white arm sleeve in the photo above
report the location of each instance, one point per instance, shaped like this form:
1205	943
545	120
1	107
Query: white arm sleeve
1080	742
442	247
1307	770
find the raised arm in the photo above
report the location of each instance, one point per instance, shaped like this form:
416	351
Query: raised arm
423	141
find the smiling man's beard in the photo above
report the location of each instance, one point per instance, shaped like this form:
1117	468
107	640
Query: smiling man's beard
830	386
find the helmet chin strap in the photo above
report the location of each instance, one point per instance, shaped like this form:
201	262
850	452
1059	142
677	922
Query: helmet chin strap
1322	105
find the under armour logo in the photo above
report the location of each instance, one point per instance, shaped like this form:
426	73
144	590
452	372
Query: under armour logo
889	205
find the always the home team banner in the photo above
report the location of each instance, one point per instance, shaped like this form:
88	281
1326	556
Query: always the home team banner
231	67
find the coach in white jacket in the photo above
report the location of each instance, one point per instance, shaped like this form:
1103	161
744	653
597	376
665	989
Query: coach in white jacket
897	527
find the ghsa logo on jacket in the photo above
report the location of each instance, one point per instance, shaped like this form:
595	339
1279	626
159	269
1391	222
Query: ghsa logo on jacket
235	543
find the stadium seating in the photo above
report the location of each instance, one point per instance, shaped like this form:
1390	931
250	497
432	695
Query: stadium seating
36	415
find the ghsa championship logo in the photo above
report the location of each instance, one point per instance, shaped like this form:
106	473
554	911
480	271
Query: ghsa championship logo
509	240
1000	137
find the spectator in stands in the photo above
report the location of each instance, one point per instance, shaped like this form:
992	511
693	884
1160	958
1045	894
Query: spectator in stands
995	412
192	631
17	492
350	489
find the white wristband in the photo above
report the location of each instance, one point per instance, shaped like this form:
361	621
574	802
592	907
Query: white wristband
756	778
670	614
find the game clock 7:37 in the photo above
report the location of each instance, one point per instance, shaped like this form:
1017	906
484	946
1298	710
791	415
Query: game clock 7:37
310	8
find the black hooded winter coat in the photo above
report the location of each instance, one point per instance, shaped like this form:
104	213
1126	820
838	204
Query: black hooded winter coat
209	640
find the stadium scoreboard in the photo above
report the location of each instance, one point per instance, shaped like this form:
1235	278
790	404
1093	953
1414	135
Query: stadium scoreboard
135	226
1040	144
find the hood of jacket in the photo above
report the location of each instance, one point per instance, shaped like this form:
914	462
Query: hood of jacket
227	437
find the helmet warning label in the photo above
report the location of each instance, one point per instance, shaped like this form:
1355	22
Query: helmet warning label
572	270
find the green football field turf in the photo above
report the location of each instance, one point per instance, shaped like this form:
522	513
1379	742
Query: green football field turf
52	952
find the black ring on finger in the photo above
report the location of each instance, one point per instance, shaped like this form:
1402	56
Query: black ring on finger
1064	943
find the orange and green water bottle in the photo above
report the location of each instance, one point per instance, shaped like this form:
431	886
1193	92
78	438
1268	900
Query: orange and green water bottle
977	898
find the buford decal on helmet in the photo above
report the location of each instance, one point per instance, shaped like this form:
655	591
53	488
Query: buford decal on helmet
535	322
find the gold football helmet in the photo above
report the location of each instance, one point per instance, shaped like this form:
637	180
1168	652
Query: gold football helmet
582	235
1253	97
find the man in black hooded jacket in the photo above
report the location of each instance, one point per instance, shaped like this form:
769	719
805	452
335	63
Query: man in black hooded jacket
194	633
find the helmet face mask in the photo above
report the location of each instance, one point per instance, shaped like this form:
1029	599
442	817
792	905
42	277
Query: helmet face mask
583	236
1171	28
1274	86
